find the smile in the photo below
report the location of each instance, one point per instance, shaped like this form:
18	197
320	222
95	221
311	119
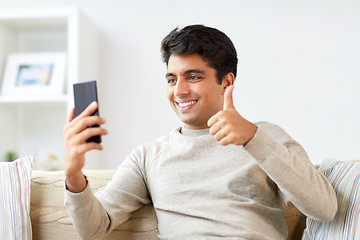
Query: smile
186	104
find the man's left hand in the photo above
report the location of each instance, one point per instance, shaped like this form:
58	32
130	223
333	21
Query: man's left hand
228	126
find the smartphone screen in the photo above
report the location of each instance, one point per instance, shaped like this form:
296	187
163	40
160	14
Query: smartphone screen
84	94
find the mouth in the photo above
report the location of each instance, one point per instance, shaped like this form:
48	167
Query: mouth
185	105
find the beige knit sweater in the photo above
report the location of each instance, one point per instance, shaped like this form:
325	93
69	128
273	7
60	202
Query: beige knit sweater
203	190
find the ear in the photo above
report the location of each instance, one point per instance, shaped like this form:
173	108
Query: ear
228	80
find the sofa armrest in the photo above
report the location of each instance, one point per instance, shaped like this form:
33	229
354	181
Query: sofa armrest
296	222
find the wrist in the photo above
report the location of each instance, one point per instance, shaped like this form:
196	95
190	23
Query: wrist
75	182
252	133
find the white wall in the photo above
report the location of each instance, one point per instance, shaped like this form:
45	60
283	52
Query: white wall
298	67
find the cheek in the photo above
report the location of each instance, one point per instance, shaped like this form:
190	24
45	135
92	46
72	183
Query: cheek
169	93
215	100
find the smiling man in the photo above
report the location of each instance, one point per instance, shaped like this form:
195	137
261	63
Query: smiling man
219	176
193	90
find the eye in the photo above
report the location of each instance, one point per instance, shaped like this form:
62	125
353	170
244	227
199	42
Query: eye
171	81
194	78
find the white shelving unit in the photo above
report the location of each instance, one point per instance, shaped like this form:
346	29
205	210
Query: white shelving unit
33	125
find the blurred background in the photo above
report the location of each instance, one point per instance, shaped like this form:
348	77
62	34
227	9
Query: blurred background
298	68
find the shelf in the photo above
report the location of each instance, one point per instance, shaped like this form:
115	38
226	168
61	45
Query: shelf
36	24
32	125
34	99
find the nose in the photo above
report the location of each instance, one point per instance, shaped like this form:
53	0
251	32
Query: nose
181	88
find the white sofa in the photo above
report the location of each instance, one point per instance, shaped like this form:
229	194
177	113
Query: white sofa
50	219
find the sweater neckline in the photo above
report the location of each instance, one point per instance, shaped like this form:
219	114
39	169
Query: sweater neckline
194	133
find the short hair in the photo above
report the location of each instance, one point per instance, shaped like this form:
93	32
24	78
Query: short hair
211	44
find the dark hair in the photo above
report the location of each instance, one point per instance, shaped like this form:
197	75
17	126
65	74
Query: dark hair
211	44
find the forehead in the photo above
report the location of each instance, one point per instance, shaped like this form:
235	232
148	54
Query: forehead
182	63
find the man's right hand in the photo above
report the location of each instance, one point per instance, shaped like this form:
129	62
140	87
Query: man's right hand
76	132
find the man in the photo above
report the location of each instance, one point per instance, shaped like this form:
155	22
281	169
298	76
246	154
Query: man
219	176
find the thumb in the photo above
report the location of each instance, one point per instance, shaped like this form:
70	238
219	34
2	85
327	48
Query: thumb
71	115
228	97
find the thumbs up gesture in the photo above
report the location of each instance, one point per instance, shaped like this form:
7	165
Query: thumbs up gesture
228	126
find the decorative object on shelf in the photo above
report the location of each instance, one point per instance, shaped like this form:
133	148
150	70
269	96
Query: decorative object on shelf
34	74
10	156
52	163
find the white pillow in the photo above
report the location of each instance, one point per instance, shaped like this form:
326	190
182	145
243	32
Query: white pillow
15	180
345	178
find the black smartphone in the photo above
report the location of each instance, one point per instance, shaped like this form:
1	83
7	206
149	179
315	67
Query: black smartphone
84	94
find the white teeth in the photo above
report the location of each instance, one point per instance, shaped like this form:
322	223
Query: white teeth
185	104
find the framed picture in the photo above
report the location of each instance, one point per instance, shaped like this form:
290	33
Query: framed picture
34	74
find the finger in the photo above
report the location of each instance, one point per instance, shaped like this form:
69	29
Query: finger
90	121
91	132
215	128
89	110
76	126
228	97
88	133
220	135
225	141
213	120
83	148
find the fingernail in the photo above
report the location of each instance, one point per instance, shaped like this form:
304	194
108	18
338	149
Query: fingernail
93	104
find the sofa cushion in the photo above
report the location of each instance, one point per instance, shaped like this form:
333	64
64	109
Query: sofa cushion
15	180
50	219
345	178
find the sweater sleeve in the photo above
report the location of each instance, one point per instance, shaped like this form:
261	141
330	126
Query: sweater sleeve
96	215
287	164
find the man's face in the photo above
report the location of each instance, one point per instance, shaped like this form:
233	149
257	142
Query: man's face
193	90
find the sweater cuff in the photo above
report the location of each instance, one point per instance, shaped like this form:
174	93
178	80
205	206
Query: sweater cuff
80	195
261	146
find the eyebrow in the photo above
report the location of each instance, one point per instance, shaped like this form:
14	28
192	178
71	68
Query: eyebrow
186	72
